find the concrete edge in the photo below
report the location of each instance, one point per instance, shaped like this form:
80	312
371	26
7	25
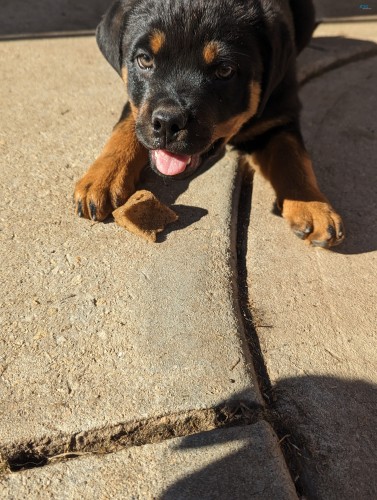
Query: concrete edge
353	19
242	171
244	461
322	67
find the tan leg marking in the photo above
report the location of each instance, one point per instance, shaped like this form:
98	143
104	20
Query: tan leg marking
286	164
113	176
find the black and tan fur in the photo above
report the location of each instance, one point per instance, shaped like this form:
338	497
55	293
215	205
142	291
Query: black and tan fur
201	74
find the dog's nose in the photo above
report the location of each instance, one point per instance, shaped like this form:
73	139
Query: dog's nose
168	122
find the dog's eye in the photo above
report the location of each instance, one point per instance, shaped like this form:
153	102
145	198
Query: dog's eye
144	61
225	72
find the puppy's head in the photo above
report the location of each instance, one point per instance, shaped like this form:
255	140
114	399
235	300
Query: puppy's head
196	72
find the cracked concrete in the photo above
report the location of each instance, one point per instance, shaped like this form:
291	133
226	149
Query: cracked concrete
86	363
242	462
112	438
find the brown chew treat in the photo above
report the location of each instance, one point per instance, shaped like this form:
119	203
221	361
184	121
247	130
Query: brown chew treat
143	214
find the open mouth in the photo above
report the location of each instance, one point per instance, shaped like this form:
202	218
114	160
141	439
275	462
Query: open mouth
169	164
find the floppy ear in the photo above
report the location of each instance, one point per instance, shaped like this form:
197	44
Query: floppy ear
279	54
110	32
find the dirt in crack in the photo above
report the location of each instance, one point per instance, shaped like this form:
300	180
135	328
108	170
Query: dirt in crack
243	222
26	459
114	438
291	445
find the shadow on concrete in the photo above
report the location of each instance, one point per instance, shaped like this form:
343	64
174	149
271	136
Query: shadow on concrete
237	476
22	18
326	53
342	9
187	215
35	17
335	422
168	191
330	425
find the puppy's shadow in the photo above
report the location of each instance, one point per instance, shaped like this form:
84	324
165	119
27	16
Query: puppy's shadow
187	215
168	191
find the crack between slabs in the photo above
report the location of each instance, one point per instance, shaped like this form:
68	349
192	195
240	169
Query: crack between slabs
41	452
290	444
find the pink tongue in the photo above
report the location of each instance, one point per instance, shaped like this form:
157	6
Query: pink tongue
168	163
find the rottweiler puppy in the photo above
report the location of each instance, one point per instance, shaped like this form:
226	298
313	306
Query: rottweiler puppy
201	74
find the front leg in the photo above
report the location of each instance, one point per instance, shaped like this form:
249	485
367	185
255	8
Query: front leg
113	176
286	164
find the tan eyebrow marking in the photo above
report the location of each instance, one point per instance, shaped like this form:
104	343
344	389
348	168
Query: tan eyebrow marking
156	41
211	51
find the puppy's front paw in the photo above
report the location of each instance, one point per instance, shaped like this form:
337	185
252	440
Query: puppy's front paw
314	221
100	191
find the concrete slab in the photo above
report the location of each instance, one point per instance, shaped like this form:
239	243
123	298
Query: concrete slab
337	41
349	29
342	8
315	310
97	326
37	17
237	463
327	51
